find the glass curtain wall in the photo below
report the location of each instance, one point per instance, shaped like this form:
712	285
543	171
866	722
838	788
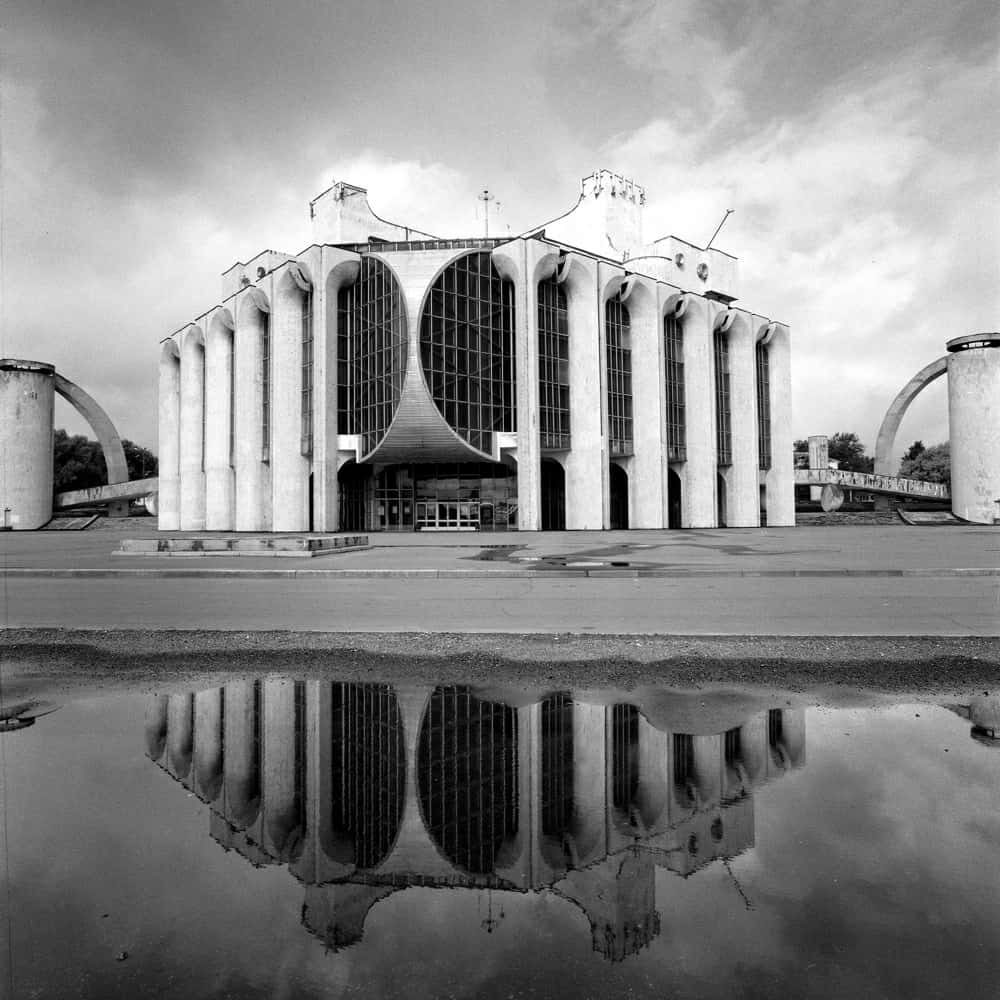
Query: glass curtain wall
467	349
619	361
553	366
723	412
673	350
763	407
371	353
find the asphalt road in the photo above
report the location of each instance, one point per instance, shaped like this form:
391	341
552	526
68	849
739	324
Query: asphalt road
901	606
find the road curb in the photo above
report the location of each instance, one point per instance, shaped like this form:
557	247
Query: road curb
479	574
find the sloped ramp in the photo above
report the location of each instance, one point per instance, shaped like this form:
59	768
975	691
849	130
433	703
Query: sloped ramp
70	523
929	518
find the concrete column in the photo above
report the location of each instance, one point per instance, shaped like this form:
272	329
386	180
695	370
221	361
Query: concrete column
289	468
819	458
278	786
219	503
156	725
180	736
698	482
168	501
208	743
708	770
793	730
974	417
780	480
26	416
193	430
743	498
653	794
525	263
646	483
250	322
586	462
591	732
753	746
241	765
520	860
340	269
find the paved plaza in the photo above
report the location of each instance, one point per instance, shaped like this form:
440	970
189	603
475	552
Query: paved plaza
866	580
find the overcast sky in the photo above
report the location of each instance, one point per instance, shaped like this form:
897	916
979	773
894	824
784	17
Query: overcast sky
148	146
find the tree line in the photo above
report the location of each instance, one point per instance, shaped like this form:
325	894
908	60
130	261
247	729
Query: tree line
927	464
78	462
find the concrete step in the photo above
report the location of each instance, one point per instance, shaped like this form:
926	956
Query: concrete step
300	546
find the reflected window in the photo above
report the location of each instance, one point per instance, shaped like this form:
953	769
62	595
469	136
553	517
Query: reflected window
467	777
467	349
368	759
557	764
625	756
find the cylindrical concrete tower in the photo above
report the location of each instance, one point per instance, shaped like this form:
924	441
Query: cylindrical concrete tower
26	415
974	416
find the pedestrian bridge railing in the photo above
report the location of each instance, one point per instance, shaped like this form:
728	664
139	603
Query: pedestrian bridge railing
872	483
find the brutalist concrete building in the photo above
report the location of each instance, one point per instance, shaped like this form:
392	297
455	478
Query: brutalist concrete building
570	377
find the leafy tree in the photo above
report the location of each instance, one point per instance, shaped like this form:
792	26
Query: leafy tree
915	449
79	462
847	449
931	465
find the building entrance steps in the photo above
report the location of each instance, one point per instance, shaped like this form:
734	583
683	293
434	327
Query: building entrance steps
300	546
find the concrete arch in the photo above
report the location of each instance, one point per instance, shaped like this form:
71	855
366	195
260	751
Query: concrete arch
100	423
897	409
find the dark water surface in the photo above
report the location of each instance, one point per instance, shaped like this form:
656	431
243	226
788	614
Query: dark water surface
316	839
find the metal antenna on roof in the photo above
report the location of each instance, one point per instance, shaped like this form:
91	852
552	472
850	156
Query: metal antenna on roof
486	198
729	212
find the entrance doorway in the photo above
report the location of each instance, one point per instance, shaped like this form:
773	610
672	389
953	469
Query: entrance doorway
720	500
618	484
553	495
673	499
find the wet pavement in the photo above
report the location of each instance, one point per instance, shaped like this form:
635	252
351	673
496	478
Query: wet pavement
304	835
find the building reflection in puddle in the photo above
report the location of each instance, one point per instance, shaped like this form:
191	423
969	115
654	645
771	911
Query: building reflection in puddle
366	789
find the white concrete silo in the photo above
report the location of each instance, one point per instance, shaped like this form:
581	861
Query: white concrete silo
26	416
974	418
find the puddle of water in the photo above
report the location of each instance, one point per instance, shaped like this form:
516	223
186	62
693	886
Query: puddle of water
308	839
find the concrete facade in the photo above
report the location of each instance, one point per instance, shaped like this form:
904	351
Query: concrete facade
974	423
383	379
27	398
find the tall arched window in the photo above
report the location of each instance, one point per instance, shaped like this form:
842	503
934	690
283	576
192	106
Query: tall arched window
307	375
619	351
265	387
553	366
763	407
673	352
371	353
467	349
723	413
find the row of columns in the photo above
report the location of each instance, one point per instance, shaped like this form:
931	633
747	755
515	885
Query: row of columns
261	753
215	367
